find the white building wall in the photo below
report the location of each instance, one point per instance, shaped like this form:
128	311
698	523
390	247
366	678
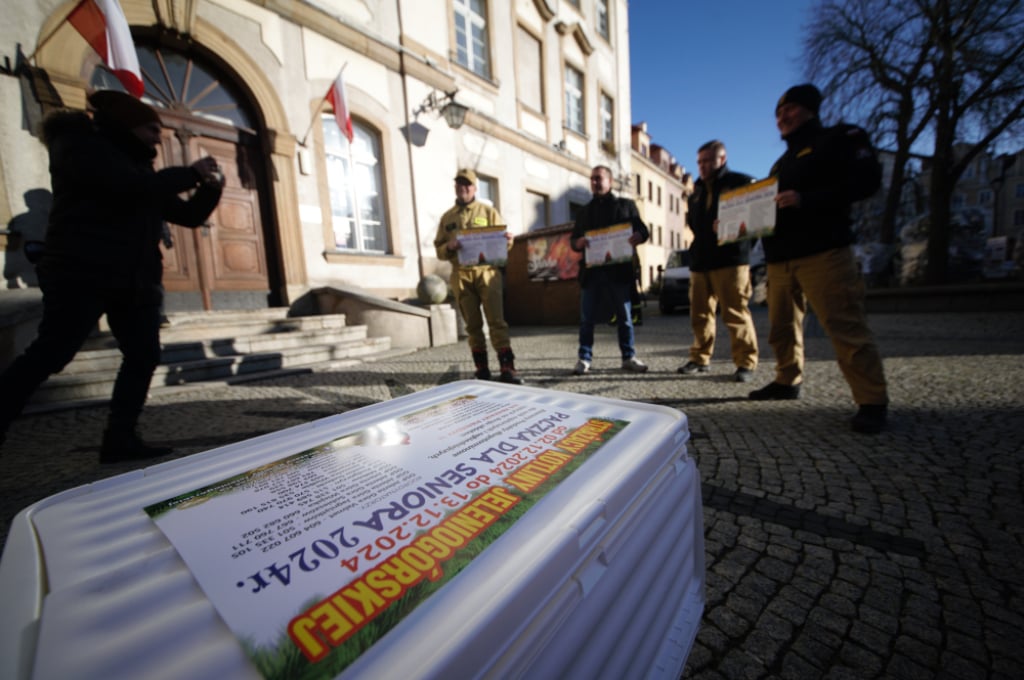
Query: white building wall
298	47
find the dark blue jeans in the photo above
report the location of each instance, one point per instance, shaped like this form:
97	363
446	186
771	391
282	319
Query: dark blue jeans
598	301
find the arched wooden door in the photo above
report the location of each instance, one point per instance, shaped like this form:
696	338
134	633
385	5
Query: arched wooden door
222	265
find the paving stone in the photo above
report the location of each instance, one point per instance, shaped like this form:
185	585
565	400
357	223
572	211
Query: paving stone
795	667
900	666
956	666
817	648
870	638
866	663
920	652
829	554
728	621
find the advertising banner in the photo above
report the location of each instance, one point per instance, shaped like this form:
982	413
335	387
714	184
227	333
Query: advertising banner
551	258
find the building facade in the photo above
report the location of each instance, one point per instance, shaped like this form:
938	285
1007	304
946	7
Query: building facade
543	84
987	213
660	187
993	186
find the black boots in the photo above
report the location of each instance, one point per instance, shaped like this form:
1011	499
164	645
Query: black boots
870	418
505	359
483	372
121	445
774	391
508	368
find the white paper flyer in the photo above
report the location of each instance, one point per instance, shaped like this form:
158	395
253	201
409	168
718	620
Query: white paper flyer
747	212
488	245
609	245
303	556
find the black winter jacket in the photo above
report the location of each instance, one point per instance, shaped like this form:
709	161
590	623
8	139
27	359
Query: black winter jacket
830	168
605	211
109	204
705	253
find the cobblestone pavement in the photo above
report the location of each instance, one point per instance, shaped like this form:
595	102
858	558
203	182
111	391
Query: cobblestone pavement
829	554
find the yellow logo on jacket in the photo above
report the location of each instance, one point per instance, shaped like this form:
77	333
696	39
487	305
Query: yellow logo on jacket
480	221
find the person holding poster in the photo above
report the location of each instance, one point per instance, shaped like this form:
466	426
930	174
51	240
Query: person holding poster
477	285
718	273
608	284
810	259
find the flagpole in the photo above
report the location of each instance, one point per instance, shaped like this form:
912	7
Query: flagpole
320	105
49	36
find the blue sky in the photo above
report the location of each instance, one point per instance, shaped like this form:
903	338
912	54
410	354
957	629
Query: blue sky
702	70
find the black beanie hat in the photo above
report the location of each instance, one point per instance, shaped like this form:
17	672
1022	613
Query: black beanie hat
806	95
122	109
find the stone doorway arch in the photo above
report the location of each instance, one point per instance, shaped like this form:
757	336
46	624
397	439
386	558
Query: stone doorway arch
226	263
70	63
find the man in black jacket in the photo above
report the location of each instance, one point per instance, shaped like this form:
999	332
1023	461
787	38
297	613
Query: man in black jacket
809	256
607	286
102	254
718	273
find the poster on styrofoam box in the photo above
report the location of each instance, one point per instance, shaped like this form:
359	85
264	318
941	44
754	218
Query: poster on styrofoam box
311	559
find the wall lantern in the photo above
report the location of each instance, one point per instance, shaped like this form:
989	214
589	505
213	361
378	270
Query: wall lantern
453	113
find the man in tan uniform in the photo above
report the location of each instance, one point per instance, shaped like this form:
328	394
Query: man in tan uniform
478	285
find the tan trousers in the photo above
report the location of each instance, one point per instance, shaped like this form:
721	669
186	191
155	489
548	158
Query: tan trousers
833	286
476	287
730	286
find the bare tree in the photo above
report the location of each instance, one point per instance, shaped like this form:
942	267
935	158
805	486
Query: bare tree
941	72
870	57
978	94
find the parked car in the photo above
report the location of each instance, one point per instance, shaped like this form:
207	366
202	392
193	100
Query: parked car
675	282
675	279
758	274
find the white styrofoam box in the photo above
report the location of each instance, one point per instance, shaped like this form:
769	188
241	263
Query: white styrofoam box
602	578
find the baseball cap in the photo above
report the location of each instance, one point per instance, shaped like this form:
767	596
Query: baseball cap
466	174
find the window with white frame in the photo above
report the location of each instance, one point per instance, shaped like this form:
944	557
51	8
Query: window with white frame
356	188
574	99
538	209
607	122
602	18
529	71
471	48
487	190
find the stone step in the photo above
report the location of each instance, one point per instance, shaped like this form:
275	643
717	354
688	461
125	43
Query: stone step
190	326
92	385
223	346
91	361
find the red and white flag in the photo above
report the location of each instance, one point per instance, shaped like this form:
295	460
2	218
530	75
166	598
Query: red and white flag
104	27
336	95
